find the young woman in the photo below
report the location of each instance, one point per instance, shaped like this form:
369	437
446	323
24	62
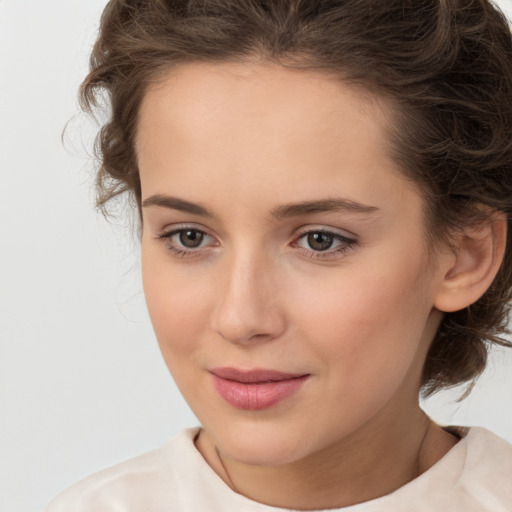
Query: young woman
325	191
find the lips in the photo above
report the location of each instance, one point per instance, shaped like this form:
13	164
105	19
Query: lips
255	389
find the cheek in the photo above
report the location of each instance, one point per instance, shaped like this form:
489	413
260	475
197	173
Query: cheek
176	301
367	323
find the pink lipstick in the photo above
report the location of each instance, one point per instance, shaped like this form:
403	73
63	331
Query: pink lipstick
255	389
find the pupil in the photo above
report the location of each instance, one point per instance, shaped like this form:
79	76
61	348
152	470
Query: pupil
191	238
320	241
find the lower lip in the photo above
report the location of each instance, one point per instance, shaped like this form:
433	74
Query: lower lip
257	395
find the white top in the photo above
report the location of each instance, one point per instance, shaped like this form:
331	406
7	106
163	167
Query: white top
474	476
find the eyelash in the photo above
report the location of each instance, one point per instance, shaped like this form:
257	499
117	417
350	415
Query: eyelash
181	253
346	243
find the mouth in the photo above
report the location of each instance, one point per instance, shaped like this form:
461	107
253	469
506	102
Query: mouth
255	389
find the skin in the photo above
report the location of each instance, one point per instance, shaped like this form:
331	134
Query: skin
240	141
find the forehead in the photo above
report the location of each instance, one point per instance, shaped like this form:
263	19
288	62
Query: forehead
210	100
265	128
200	84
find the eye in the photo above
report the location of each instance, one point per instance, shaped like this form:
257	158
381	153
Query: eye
320	243
190	238
186	241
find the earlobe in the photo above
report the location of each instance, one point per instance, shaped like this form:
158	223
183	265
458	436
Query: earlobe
478	255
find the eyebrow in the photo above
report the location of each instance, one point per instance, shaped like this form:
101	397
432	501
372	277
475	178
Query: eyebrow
321	206
174	203
280	212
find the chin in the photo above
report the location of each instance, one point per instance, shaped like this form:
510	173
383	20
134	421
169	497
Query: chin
260	446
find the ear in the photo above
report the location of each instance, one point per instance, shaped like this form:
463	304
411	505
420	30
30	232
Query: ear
472	264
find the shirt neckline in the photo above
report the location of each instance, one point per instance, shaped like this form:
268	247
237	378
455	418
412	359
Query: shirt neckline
434	475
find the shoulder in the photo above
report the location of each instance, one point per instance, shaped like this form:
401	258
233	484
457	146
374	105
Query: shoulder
486	477
487	452
474	476
147	482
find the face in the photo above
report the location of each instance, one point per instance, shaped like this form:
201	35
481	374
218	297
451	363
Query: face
284	257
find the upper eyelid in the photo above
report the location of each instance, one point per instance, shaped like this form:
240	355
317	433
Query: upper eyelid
172	232
328	230
176	228
301	230
344	240
169	231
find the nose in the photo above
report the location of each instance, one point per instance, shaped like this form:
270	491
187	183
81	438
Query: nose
247	307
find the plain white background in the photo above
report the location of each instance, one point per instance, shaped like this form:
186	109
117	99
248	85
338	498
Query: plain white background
82	384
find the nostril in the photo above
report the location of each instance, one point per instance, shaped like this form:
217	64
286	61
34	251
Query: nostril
242	336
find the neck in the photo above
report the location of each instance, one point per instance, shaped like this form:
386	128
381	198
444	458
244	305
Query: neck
381	457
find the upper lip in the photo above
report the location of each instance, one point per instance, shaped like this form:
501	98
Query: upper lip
256	375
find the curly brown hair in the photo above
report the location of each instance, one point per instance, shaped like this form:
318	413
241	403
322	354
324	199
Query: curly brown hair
445	66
